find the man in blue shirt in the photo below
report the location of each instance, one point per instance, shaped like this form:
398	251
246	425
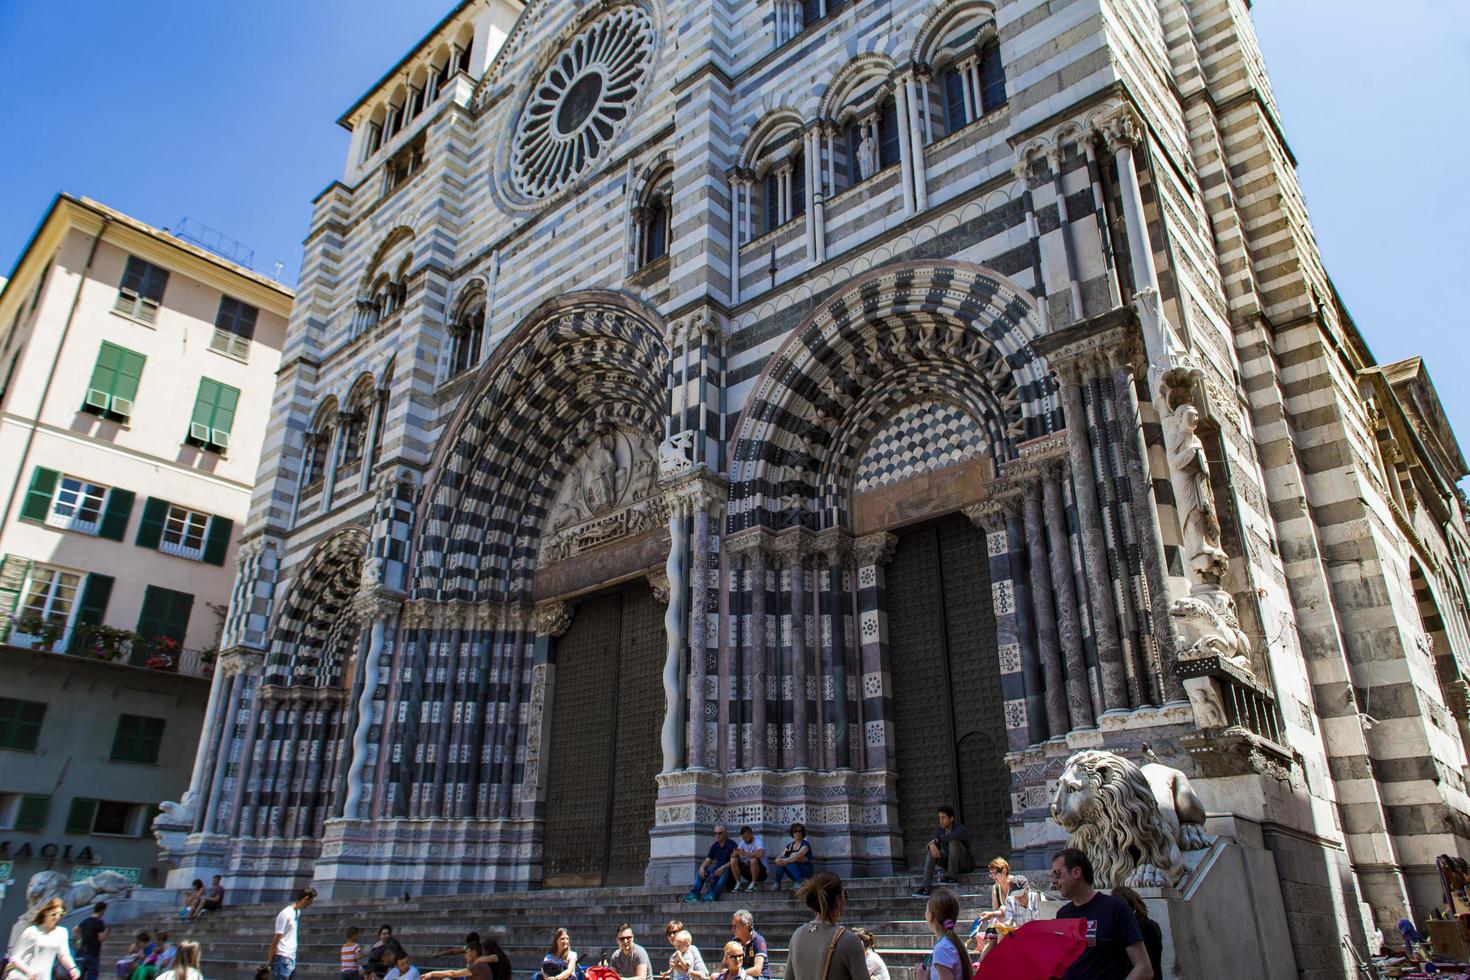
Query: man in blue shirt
713	875
1115	949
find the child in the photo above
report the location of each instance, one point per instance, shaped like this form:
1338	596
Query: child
352	956
130	960
948	961
686	960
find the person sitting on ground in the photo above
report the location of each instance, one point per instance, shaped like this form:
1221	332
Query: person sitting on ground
713	875
473	966
1009	906
193	896
749	863
560	962
351	957
158	957
730	968
877	969
185	965
214	896
379	962
130	960
948	960
403	968
1153	936
1115	949
753	961
631	960
686	960
822	949
948	848
495	958
796	860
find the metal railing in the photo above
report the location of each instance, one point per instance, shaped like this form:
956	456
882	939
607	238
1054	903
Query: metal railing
109	645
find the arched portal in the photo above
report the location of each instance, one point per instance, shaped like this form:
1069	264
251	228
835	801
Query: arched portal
879	420
543	490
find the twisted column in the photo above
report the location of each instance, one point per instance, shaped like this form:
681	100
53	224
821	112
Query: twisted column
676	569
757	670
1043	607
1069	623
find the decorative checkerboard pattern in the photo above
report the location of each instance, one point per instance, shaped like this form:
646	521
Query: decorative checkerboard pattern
927	435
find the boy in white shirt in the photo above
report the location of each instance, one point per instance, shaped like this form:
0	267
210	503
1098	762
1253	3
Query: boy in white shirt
749	862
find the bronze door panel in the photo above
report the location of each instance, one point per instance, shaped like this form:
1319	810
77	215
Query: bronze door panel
639	708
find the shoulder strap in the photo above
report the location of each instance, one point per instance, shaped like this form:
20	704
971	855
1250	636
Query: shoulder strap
832	946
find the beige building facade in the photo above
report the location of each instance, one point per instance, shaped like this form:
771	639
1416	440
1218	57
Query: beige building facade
136	372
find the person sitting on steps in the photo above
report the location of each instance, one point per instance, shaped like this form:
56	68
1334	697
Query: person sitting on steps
713	875
796	860
749	862
948	848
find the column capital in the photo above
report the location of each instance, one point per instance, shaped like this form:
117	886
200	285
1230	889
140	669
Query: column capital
875	549
658	581
1122	129
1022	169
833	543
791	546
239	660
552	618
697	490
376	605
991	514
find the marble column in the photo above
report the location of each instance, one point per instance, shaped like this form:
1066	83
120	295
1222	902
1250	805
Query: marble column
1043	608
1124	133
759	689
207	738
676	569
698	648
1069	624
799	735
509	725
1094	546
905	150
871	555
233	825
210	808
916	143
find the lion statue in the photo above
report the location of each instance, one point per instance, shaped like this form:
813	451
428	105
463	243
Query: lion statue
1209	626
1130	820
173	824
46	885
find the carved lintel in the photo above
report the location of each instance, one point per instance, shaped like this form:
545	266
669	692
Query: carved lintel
874	549
553	618
659	582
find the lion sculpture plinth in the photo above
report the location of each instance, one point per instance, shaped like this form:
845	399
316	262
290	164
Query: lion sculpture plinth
1132	821
46	885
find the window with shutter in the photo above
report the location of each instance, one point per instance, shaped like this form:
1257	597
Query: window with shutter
34	808
14	570
49	597
141	291
81	816
91	608
165	614
183	533
234	326
214	415
115	817
20	723
114	383
77	505
138	739
218	541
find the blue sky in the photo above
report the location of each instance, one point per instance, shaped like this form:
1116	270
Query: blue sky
224	112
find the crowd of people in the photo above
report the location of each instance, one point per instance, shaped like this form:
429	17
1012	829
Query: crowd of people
1122	942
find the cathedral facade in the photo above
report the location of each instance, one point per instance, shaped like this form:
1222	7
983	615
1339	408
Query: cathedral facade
827	410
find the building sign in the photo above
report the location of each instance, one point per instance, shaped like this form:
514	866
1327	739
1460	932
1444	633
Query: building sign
67	852
83	872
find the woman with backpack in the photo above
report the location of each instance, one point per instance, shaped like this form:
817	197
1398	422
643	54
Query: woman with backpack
561	960
822	949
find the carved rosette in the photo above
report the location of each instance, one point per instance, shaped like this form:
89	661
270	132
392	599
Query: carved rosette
552	618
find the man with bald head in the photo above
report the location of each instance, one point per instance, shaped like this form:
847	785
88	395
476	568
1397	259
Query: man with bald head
713	875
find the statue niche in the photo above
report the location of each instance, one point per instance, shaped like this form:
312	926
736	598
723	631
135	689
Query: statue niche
607	493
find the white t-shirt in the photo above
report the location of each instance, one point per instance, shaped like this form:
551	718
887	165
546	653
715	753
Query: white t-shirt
692	959
411	974
877	969
748	850
174	975
286	929
38	950
946	955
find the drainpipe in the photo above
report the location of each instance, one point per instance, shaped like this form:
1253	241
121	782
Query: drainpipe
25	454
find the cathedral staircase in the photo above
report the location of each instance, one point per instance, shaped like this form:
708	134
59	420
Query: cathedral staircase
235	941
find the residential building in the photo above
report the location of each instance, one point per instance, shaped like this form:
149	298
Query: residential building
136	372
828	411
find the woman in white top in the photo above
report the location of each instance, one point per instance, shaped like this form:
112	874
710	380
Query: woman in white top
877	969
41	945
186	964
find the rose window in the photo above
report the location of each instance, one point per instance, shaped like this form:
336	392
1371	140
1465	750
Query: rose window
581	103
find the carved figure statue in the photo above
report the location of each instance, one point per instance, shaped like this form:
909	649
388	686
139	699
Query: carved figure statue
1128	821
1194	498
867	154
46	885
173	824
1208	712
601	476
1207	625
675	453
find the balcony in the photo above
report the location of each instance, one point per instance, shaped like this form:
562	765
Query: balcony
108	644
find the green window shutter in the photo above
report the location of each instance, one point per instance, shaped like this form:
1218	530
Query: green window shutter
150	528
165	613
153	812
138	739
218	540
38	497
214	414
125	388
145	279
115	380
96	591
20	723
34	808
116	514
13	572
81	815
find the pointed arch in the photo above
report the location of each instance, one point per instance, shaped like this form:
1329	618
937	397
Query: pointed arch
956	333
315	631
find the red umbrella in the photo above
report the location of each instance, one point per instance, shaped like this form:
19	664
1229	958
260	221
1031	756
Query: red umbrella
1038	950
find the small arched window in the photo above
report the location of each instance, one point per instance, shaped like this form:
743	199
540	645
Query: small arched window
888	151
467	336
992	78
656	218
653	218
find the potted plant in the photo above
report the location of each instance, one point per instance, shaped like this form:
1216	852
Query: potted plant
107	642
165	654
45	631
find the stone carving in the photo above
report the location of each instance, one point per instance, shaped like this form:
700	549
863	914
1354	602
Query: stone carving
1208	626
867	154
553	618
173	824
607	494
46	885
1209	712
1131	821
675	454
1193	496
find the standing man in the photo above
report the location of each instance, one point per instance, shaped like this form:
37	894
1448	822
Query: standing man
631	960
949	847
90	933
713	875
282	958
757	953
750	860
1115	949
